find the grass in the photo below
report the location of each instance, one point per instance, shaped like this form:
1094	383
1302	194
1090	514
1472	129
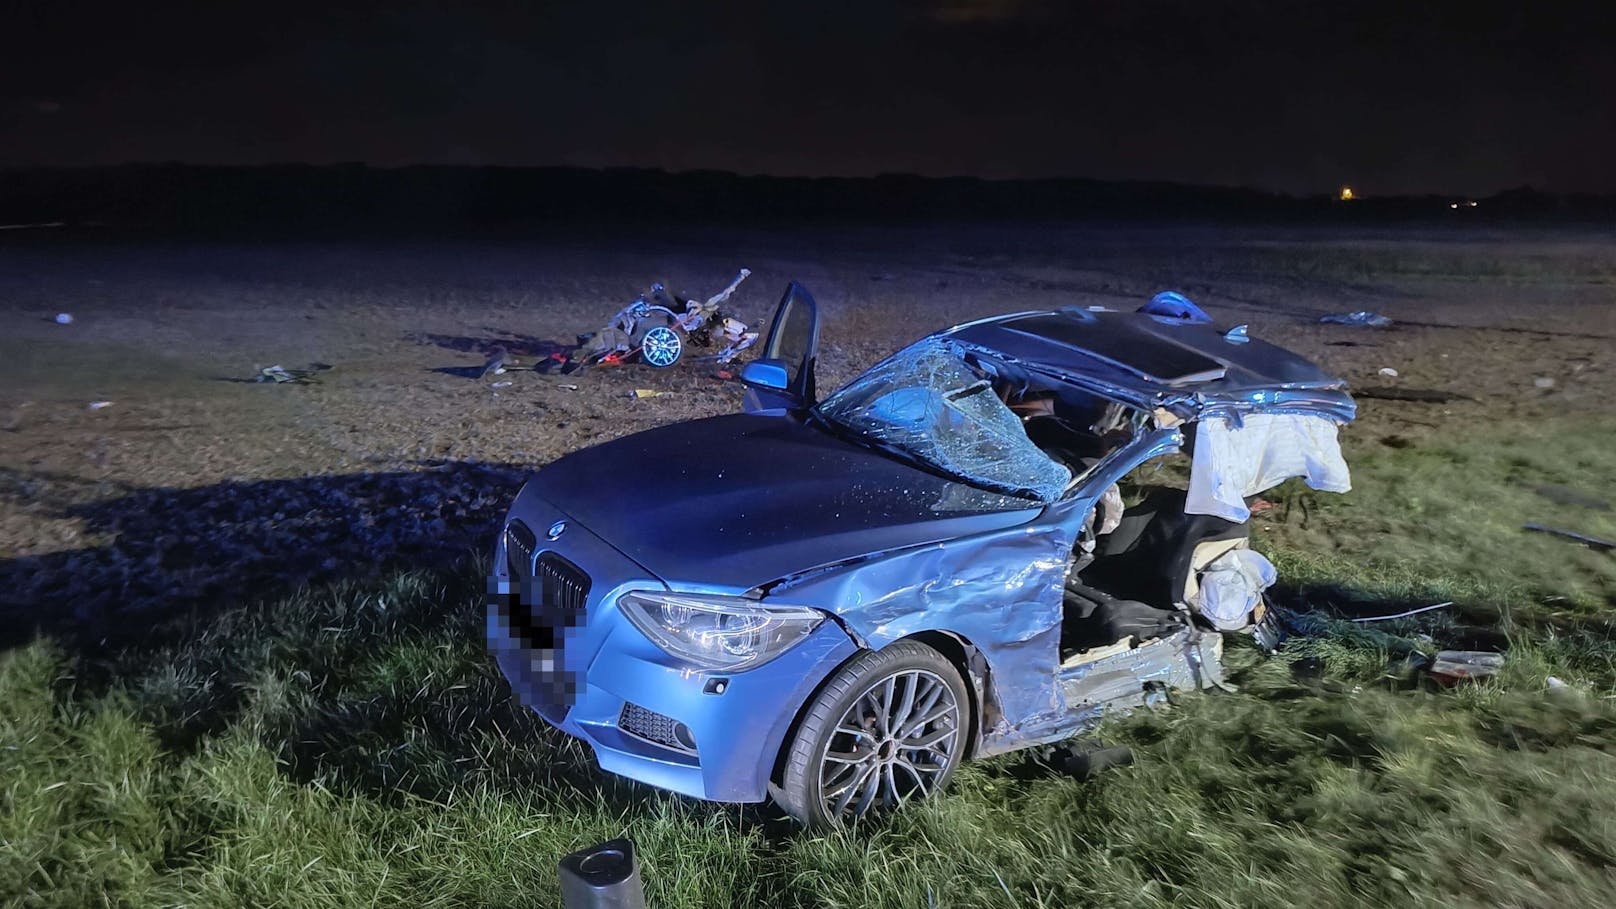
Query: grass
351	746
1442	520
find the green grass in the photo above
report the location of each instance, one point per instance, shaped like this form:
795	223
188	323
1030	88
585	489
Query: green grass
1442	520
352	746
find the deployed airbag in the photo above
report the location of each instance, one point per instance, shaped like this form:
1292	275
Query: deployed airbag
1265	449
1231	587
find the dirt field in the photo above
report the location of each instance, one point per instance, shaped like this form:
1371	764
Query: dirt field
185	449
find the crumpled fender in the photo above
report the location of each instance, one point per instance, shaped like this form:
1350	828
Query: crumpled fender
1000	591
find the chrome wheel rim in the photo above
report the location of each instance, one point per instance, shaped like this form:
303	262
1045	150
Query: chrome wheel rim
661	346
896	741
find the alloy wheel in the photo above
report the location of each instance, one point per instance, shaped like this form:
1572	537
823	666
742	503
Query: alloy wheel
896	741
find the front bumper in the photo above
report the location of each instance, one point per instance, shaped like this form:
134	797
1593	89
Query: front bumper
736	720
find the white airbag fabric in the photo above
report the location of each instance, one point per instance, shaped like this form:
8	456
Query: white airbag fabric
1267	449
1232	586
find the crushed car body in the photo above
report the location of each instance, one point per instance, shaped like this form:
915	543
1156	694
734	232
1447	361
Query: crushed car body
983	543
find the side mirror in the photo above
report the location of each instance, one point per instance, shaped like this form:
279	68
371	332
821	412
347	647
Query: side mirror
768	386
767	375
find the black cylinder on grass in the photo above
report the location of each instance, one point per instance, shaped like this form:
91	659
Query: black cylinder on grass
1085	764
604	876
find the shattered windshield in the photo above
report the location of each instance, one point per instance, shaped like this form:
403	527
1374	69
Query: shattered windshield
926	403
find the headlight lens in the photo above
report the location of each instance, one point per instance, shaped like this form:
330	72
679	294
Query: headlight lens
718	632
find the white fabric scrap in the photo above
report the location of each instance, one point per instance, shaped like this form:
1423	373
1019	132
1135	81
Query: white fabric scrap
1232	586
1267	449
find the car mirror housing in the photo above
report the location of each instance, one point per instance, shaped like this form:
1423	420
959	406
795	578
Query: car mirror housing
767	375
768	387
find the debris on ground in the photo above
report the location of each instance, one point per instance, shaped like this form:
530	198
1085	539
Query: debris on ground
1420	395
1592	542
280	374
645	393
1452	666
1565	495
1388	372
1403	615
505	384
1088	762
98	405
1363	318
1543	382
64	318
657	325
568	387
498	359
603	875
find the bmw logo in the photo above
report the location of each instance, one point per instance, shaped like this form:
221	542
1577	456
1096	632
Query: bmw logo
556	530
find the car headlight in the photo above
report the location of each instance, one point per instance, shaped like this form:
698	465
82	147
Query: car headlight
718	632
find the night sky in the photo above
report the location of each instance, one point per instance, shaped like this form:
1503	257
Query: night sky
1297	96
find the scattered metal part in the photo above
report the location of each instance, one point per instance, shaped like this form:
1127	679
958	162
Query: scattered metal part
657	325
1404	615
498	359
1086	764
281	375
604	876
1460	665
1362	319
1598	543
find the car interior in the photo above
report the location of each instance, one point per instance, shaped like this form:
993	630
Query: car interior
1136	564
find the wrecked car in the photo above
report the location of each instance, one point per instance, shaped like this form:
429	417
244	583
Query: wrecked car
983	543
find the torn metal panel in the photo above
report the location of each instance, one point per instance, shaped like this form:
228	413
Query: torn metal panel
1186	660
1234	460
999	591
926	403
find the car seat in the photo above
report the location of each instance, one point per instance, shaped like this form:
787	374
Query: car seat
1157	551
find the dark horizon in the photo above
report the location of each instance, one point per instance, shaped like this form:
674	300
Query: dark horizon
308	197
1459	99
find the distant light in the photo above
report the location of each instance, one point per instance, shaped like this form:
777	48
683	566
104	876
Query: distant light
1346	194
1453	205
1472	204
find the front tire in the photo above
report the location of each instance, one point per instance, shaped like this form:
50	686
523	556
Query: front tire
889	727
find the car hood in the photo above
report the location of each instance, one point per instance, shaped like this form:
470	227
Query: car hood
741	500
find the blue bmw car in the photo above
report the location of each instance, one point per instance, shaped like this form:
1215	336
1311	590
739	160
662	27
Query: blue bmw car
983	543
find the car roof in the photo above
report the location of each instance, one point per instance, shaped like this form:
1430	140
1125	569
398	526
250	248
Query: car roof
1148	355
